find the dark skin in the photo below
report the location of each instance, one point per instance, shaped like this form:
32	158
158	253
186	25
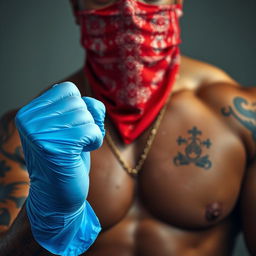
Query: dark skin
172	207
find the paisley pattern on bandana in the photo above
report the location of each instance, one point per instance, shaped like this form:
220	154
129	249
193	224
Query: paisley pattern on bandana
132	60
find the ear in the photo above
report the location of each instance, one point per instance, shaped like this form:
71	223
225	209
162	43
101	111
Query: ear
75	9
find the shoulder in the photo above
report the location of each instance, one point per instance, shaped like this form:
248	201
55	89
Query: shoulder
211	83
199	73
234	104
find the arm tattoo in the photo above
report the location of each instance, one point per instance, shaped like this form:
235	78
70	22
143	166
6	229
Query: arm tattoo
16	156
5	133
6	193
244	112
193	151
18	240
4	168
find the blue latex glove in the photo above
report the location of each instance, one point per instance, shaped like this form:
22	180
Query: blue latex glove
58	130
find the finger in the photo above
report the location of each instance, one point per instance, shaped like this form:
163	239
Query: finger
98	110
51	112
71	141
67	120
55	93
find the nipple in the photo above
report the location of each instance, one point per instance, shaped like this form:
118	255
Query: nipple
213	211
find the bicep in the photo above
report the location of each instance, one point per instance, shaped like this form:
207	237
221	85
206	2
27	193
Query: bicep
14	182
248	204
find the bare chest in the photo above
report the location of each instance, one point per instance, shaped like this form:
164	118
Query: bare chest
191	177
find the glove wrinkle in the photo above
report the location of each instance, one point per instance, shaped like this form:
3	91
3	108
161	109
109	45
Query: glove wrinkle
57	132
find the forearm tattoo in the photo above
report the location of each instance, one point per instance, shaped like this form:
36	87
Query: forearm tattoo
4	168
18	240
244	112
5	133
8	190
6	194
193	151
16	156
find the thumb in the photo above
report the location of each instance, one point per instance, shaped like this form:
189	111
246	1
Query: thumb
97	110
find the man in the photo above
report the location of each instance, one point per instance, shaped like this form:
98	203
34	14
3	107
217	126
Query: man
175	174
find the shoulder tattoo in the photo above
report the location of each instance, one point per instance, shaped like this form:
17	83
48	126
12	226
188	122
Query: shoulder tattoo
244	112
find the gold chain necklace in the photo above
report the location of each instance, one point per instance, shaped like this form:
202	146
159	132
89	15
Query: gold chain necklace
135	170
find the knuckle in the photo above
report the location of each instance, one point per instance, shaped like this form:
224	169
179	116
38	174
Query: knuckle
95	105
69	87
96	138
80	103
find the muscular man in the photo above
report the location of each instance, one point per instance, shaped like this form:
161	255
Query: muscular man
176	175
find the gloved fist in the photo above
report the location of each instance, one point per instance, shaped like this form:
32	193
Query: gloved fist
58	130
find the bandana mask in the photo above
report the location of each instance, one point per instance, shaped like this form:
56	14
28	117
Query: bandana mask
132	60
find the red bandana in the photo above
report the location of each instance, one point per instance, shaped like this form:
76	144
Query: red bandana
132	60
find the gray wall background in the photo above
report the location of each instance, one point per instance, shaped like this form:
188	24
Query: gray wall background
39	44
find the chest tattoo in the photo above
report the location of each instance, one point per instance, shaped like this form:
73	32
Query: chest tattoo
244	112
193	150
